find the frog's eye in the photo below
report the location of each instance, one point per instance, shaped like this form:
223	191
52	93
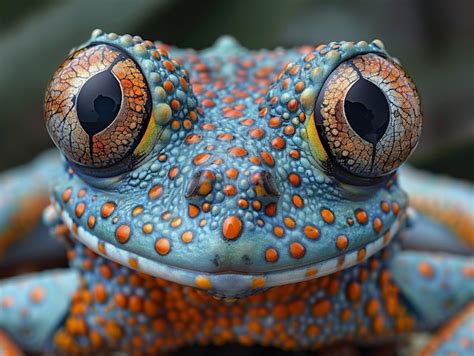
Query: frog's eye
368	116
98	106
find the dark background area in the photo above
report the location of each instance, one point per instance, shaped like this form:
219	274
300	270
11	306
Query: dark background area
432	38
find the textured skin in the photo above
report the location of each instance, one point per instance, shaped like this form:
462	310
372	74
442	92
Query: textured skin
229	192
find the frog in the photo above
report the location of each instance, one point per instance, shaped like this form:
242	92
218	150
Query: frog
229	195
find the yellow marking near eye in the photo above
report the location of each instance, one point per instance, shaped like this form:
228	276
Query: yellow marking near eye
311	136
149	138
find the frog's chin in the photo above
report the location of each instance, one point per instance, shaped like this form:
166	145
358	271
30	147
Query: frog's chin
230	285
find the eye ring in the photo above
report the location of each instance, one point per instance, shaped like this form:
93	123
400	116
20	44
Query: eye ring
98	107
367	117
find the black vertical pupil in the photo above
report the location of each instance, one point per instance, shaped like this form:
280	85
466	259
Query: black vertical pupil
99	102
367	110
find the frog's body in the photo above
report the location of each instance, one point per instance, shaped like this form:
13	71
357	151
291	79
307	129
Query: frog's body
231	194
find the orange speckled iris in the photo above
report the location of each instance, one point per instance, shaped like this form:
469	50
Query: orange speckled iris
344	145
122	135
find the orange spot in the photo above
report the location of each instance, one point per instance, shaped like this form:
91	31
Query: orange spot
321	308
327	215
107	209
187	236
425	269
238	151
385	207
289	222
37	294
155	191
122	233
377	225
267	158
148	228
258	282
270	209
274	122
278	143
67	195
232	227
232	173
91	221
294	179
395	208
271	254
162	246
278	231
361	216
201	158
203	282
80	208
354	291
230	189
100	293
297	250
193	210
311	232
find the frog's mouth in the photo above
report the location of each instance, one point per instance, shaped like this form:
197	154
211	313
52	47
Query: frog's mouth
230	284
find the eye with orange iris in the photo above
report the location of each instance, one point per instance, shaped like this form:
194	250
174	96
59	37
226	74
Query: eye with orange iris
97	106
368	116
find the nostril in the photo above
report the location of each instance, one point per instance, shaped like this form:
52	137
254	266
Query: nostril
201	184
264	184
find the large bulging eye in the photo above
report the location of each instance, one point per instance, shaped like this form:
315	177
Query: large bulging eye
97	106
368	116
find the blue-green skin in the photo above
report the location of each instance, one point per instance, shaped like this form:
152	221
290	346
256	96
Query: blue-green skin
242	260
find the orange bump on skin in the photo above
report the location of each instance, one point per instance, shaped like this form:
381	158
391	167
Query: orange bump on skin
278	143
258	282
148	228
187	236
122	233
297	250
193	210
232	173
278	231
80	208
270	209
37	294
232	227
91	221
385	207
203	282
342	242
297	201
395	208
321	308
137	210
289	222
201	158
361	216
327	215
67	195
294	179
311	232
271	254
377	225
162	246
155	191
354	291
100	293
425	270
107	209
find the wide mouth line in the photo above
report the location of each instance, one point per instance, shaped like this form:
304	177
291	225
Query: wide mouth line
228	281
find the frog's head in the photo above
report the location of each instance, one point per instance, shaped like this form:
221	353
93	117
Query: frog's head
232	181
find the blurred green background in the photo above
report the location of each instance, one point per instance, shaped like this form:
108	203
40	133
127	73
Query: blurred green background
433	39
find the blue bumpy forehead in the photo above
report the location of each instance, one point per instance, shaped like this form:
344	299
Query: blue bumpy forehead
231	197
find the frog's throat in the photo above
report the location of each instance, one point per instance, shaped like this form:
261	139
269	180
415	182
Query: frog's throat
230	284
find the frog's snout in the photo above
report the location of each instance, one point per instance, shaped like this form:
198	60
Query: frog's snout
256	185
